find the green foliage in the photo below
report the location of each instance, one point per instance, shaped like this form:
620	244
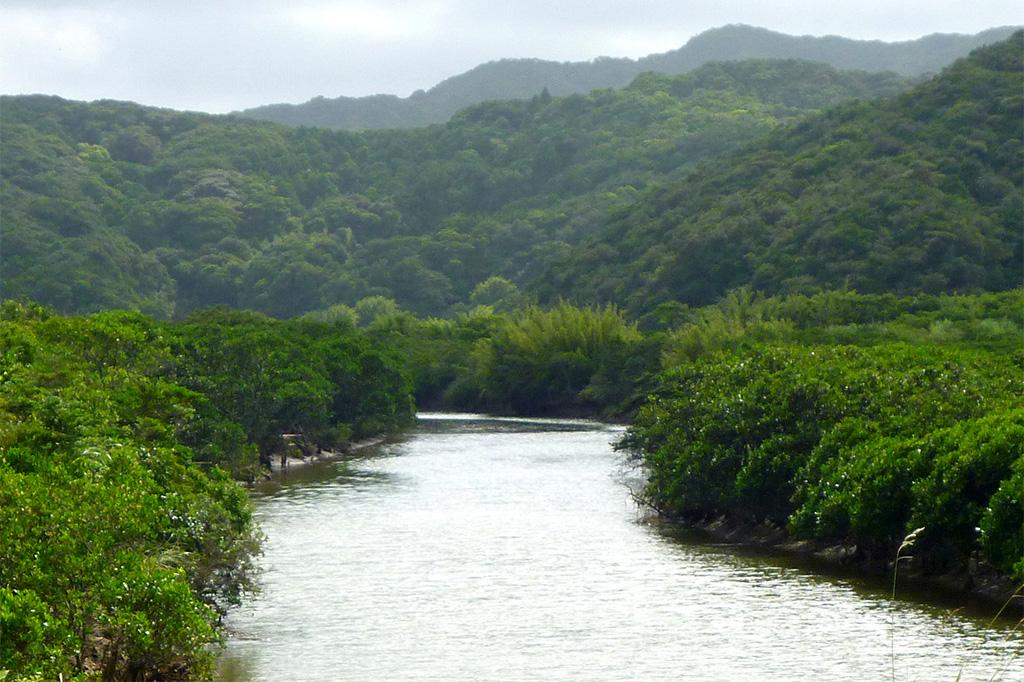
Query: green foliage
559	360
970	462
498	293
919	193
1002	533
741	317
293	272
338	315
438	354
372	308
26	635
96	492
115	205
844	443
134	144
124	537
594	198
744	318
309	378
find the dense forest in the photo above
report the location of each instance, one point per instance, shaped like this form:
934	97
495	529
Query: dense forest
524	78
124	536
115	205
593	198
801	286
916	193
847	419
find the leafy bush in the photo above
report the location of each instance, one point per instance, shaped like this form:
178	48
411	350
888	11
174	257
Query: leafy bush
124	536
565	358
845	443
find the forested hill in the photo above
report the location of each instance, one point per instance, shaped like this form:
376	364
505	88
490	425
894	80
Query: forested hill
525	78
916	193
116	205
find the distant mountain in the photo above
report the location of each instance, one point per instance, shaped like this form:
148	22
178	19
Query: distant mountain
524	78
926	55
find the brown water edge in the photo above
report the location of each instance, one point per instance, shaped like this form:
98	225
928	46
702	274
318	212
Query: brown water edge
977	591
281	463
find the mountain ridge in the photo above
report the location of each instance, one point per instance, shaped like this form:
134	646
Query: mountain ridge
523	78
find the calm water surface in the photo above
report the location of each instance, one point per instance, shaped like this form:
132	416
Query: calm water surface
481	549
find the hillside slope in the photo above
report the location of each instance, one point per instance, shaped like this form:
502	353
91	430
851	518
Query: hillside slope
115	205
917	193
525	78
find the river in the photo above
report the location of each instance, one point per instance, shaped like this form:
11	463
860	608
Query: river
485	549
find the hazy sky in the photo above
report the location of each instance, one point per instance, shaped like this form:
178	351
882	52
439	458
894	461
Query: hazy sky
220	56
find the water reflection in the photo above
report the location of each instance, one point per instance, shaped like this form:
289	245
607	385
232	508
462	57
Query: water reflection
512	550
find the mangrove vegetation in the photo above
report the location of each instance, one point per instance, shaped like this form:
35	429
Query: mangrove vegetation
801	287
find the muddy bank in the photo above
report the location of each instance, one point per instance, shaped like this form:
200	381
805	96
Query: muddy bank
975	582
284	462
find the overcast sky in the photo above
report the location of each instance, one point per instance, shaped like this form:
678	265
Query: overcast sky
224	55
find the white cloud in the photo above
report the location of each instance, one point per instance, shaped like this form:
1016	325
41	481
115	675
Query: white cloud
220	55
364	19
36	42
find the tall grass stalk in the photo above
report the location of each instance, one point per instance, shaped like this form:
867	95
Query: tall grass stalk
907	544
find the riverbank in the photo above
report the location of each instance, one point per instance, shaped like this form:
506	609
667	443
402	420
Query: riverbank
848	449
977	584
279	463
451	550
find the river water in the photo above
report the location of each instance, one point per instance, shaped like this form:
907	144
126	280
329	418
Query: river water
481	549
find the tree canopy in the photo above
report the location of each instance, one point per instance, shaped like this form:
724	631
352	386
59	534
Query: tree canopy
115	205
915	193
